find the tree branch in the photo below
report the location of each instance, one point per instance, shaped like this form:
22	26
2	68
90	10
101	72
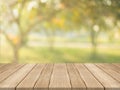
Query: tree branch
8	39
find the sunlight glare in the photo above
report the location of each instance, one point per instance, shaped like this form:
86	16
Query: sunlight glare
32	4
96	28
43	1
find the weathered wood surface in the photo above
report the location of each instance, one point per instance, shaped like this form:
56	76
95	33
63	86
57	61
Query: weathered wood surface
73	76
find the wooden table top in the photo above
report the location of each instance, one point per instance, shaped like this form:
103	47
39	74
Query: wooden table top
73	76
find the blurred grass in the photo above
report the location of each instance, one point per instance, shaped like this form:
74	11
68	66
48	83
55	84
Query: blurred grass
63	55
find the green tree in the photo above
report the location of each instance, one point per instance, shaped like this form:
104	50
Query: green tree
22	15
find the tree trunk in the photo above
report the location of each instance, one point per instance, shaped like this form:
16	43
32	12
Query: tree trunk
51	40
94	42
16	55
51	43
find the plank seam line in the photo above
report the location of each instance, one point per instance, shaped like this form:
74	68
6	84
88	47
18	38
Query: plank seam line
116	66
95	77
39	75
25	76
108	73
80	76
2	67
68	75
13	72
50	77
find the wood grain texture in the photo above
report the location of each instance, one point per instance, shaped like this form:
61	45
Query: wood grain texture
10	71
76	81
106	80
73	76
44	79
11	82
118	65
111	72
30	80
5	67
1	65
111	67
60	78
89	79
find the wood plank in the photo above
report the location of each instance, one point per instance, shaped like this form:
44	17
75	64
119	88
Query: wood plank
107	81
111	67
112	73
30	80
10	71
60	79
76	81
5	67
89	79
117	64
11	82
1	65
44	79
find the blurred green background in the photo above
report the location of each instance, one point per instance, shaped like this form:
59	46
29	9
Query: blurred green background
60	31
